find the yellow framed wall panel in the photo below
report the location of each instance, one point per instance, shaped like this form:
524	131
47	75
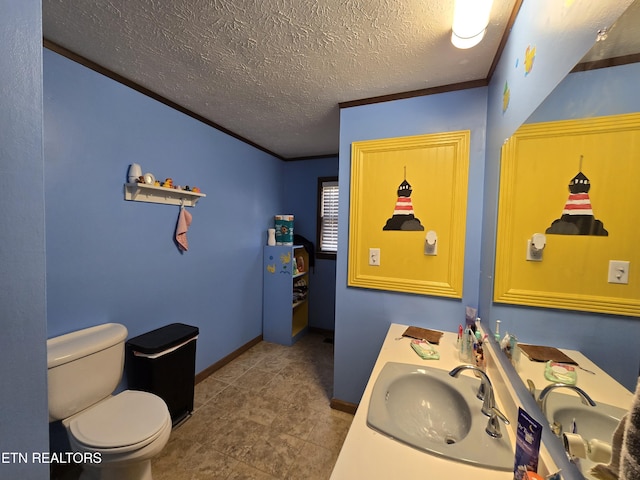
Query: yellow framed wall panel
538	164
436	168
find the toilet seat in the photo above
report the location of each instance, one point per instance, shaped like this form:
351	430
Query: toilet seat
125	422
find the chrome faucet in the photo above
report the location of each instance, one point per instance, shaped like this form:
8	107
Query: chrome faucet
485	393
542	398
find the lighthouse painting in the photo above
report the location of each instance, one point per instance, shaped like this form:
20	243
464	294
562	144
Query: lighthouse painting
393	182
577	216
403	217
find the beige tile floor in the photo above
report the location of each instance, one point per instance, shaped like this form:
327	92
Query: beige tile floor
265	415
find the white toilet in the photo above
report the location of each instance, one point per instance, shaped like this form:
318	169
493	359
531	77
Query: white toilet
116	435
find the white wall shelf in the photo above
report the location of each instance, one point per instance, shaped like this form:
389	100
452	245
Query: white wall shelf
141	192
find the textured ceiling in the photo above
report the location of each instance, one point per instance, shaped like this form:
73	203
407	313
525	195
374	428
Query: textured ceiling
273	71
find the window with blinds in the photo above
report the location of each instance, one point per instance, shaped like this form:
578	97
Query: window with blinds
327	216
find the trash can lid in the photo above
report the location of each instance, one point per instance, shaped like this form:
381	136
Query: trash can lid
162	338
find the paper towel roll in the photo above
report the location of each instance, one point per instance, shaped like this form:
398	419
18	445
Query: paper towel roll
575	445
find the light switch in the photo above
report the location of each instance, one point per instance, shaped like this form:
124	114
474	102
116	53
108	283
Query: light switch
374	257
618	271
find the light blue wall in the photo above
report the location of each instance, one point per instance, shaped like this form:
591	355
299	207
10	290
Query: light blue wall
111	260
23	361
300	192
362	315
603	338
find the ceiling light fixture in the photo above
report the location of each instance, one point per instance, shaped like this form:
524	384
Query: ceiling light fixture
470	20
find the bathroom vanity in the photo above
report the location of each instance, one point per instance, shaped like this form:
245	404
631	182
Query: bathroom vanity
369	454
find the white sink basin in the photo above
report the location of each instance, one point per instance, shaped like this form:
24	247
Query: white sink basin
597	422
429	410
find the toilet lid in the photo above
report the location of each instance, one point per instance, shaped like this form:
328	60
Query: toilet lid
126	419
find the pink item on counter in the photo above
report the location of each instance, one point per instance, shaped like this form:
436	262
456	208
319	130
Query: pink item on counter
184	220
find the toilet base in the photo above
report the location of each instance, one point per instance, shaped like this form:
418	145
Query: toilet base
131	471
122	463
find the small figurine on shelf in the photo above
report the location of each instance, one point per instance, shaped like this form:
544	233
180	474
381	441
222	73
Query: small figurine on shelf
168	183
195	190
135	171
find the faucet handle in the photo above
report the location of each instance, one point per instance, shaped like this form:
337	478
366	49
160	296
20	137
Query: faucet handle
500	415
493	425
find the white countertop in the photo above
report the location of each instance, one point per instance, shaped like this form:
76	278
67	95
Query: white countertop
370	455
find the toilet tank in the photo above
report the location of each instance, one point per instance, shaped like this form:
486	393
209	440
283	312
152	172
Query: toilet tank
84	367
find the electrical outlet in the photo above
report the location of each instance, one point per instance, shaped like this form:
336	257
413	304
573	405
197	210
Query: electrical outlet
374	257
618	271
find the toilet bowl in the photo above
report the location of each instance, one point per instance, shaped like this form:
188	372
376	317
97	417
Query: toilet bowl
121	435
115	435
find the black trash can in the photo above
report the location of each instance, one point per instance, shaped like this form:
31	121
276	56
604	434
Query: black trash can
163	362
